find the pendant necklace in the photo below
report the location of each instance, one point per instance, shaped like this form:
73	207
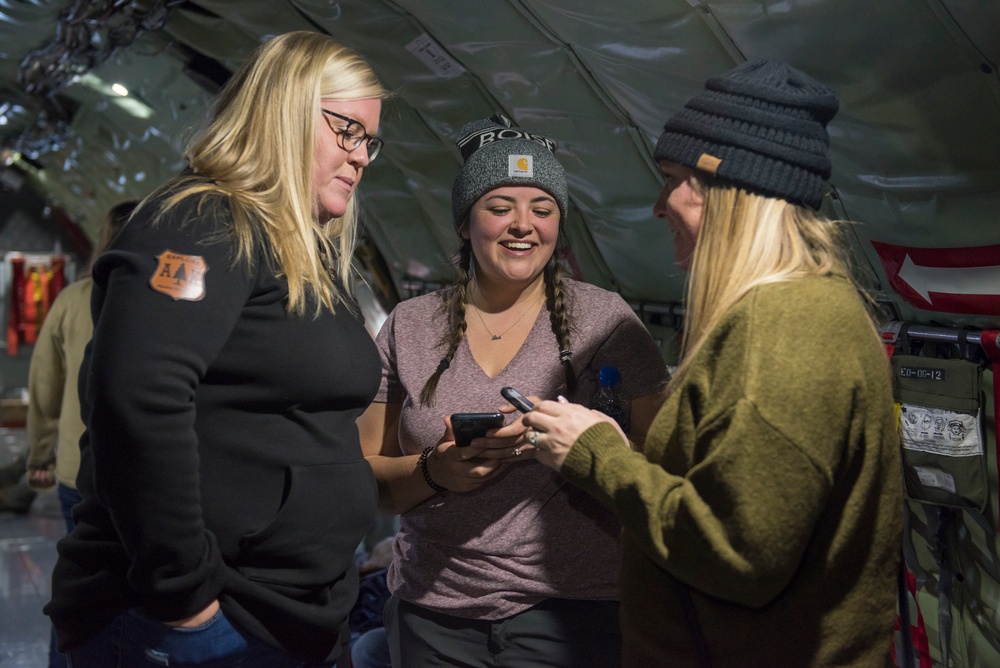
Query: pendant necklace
497	337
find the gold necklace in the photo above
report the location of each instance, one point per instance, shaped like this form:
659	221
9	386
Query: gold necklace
497	337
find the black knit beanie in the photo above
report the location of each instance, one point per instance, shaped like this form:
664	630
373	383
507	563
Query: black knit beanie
498	154
761	127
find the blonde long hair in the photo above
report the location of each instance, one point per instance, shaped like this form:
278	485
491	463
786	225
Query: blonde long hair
747	240
257	150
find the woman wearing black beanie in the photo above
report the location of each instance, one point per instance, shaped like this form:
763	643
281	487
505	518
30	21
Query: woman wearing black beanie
763	518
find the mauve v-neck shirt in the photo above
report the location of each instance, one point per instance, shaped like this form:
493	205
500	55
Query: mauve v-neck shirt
525	535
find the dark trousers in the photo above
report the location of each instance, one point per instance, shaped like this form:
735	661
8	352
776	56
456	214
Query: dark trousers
556	633
68	497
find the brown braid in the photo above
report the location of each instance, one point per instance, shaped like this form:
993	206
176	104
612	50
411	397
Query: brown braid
453	303
559	317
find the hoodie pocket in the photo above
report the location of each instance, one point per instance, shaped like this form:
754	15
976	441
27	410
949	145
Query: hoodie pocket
312	539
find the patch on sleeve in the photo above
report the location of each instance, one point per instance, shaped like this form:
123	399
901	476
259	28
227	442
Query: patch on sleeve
179	276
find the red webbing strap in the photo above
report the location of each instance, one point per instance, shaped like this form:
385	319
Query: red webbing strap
921	644
889	341
16	299
990	341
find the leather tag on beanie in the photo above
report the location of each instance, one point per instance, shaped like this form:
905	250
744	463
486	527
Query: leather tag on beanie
708	163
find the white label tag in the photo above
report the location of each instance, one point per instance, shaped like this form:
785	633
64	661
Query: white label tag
431	54
935	478
521	165
939	431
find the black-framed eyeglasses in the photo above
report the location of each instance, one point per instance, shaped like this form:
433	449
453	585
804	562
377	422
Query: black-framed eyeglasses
354	135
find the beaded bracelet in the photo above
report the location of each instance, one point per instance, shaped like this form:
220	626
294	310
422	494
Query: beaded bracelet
427	474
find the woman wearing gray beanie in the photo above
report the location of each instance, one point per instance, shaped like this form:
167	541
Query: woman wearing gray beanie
496	562
762	521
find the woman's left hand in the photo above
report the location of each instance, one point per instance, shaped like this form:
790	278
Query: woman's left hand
508	442
554	426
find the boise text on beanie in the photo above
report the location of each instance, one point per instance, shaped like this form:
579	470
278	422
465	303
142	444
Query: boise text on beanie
498	154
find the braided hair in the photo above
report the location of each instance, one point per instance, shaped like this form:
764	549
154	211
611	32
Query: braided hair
453	303
559	318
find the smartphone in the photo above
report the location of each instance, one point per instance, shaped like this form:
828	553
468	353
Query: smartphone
467	426
520	402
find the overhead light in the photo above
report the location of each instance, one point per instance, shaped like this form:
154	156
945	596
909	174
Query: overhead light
116	92
134	107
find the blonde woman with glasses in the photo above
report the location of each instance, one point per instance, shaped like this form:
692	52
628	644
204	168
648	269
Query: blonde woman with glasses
224	489
762	521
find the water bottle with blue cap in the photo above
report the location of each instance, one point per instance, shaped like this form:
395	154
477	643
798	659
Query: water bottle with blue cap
609	398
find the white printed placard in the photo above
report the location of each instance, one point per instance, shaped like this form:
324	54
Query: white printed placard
434	56
935	478
940	431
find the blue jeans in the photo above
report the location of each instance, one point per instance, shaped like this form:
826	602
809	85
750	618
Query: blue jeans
132	641
68	497
371	650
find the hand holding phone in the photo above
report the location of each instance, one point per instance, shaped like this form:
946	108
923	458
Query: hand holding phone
519	401
467	426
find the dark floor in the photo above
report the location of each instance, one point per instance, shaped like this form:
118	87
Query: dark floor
27	555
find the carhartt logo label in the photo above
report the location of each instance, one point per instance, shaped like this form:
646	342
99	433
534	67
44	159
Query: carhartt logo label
521	165
179	276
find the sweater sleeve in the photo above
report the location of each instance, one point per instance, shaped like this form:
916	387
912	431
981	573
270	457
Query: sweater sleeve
732	528
743	462
148	354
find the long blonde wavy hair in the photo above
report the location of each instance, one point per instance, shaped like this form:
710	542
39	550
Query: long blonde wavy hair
747	240
257	150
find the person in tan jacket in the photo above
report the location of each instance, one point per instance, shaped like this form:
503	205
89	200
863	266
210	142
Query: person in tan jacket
54	422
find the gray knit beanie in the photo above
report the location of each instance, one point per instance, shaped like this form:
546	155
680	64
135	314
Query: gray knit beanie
761	127
498	154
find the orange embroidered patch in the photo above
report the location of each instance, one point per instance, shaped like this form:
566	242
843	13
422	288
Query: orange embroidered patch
179	276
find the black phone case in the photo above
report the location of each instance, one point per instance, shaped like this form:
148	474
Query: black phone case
467	426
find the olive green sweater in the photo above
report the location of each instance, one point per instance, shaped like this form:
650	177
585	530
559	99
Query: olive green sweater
770	490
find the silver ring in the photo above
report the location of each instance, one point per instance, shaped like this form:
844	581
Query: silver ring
517	452
533	437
